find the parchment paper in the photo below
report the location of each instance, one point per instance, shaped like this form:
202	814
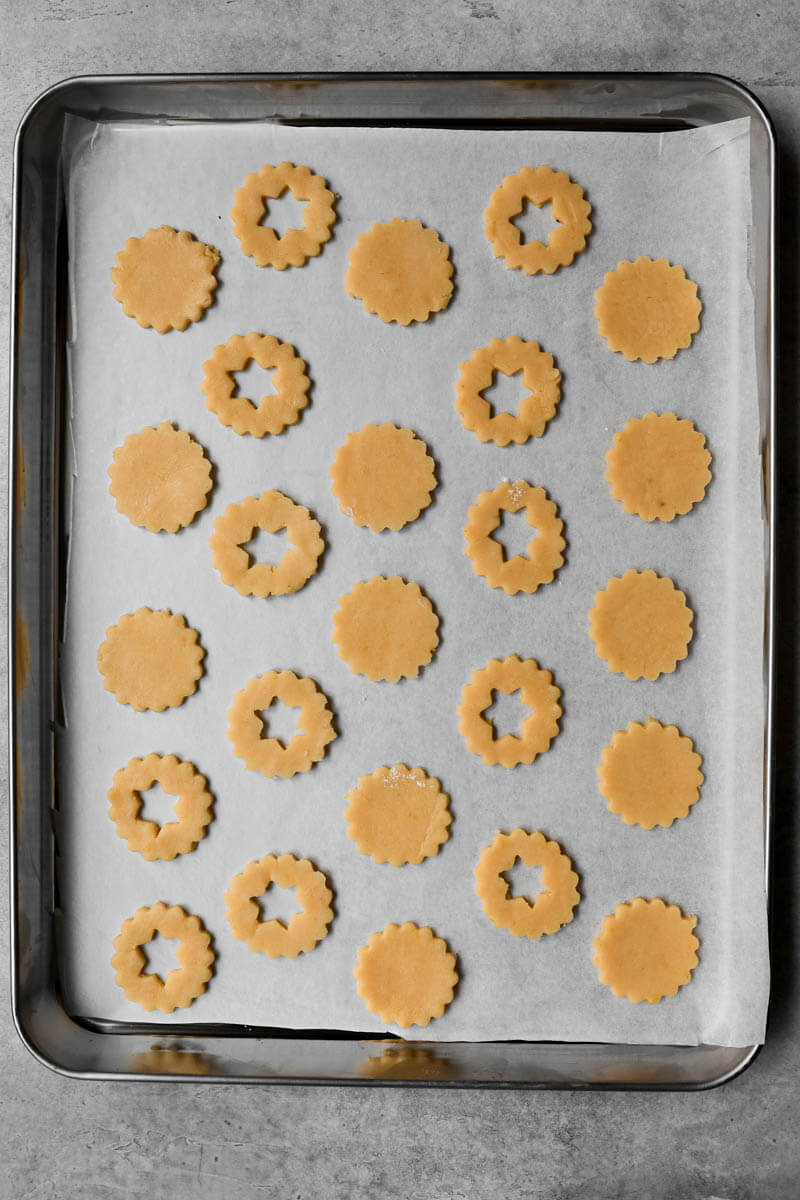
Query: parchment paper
680	195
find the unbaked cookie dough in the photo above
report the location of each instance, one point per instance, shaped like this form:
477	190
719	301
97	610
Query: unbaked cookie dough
551	910
520	573
274	412
406	975
272	512
647	309
383	476
160	478
249	735
385	629
650	775
165	279
538	185
658	466
641	625
646	950
192	809
251	204
194	953
151	659
400	271
397	815
537	691
273	937
536	408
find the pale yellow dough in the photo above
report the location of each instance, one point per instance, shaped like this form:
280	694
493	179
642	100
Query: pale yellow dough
647	309
551	909
165	280
160	478
646	950
251	204
400	271
266	754
521	572
272	512
650	775
641	625
538	185
406	975
383	476
151	659
272	937
194	953
658	467
193	807
385	629
537	691
397	815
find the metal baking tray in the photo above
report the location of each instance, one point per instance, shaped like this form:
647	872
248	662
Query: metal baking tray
39	544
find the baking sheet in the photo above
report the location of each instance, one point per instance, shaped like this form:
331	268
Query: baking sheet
679	195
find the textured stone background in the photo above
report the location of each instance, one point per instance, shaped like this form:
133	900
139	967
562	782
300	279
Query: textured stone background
95	1141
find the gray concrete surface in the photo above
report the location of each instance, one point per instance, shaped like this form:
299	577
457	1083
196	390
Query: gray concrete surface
68	1139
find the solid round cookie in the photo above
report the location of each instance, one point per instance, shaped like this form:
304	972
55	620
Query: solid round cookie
383	476
650	775
160	478
272	413
538	185
540	377
194	953
258	239
385	629
151	659
522	572
647	309
272	512
641	625
646	950
537	691
406	975
658	466
400	271
554	906
165	280
248	732
397	815
273	937
192	808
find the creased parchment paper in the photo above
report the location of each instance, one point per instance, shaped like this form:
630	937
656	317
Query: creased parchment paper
680	195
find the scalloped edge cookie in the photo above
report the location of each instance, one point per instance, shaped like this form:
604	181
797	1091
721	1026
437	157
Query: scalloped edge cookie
519	573
398	815
538	185
537	691
295	246
150	272
406	974
193	808
555	905
272	937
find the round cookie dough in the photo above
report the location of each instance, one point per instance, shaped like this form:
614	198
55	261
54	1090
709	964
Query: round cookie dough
151	659
537	691
658	466
192	809
160	478
251	204
397	815
272	512
520	573
383	476
165	280
641	625
646	950
385	629
551	910
274	412
650	775
647	309
406	975
194	953
250	740
273	937
400	271
538	185
536	408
